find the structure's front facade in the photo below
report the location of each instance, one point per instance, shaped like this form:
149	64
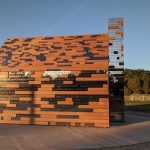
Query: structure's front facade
60	80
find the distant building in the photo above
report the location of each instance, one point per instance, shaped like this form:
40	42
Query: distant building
63	80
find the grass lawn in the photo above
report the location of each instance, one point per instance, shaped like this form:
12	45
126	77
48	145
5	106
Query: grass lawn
137	106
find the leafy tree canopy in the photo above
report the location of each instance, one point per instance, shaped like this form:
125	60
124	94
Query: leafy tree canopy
136	81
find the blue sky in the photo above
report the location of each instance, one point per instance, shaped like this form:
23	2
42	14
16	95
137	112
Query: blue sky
19	18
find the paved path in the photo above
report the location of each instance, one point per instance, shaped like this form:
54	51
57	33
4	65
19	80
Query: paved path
28	137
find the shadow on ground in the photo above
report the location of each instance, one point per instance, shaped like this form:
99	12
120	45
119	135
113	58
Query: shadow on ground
132	117
140	146
145	108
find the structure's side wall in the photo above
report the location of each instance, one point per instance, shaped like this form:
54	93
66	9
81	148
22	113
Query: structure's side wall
55	81
116	68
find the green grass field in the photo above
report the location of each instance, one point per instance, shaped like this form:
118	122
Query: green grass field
137	106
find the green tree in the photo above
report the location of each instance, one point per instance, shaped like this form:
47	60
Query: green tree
135	85
126	91
146	84
136	81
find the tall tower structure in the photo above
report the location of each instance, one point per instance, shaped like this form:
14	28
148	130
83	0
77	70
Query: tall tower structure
116	68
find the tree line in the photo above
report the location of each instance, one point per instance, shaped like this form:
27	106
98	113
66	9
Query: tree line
136	81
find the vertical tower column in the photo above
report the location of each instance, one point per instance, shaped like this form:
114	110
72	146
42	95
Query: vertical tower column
116	68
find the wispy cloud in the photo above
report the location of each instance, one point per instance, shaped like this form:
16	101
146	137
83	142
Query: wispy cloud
68	17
